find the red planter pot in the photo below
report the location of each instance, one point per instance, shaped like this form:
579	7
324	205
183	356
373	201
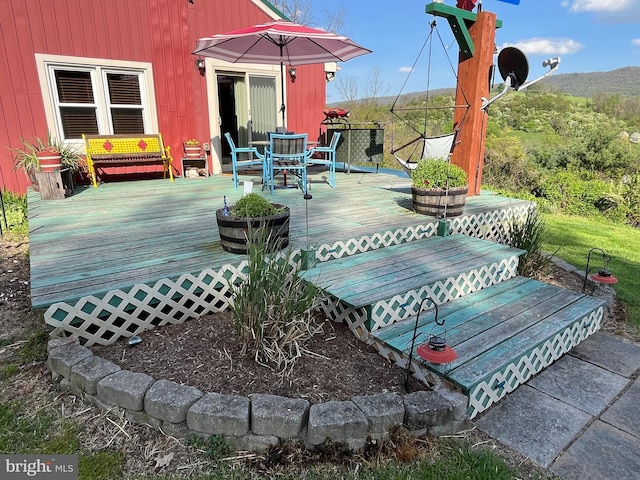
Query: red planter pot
50	161
192	151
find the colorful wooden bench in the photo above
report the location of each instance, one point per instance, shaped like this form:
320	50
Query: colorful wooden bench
116	150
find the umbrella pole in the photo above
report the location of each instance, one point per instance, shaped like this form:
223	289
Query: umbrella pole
282	107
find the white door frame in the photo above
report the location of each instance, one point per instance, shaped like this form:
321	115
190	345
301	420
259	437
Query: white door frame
213	67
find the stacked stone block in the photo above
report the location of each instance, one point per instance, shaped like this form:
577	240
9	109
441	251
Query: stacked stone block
253	422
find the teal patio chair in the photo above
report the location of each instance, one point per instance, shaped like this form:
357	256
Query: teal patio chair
249	162
287	153
328	157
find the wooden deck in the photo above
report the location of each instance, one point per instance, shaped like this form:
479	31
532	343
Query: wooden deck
129	256
127	233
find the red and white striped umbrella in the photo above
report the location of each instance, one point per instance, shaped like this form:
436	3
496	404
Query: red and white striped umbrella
279	42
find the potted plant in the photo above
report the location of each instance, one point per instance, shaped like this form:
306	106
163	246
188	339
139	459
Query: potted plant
252	212
439	188
39	155
192	148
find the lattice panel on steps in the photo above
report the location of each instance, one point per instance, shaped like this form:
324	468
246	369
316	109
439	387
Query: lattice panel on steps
372	242
493	225
126	313
522	369
418	370
403	306
355	318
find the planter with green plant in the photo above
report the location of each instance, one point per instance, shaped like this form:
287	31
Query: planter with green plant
38	155
439	188
252	211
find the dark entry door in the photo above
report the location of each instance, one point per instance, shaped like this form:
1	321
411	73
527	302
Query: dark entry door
227	110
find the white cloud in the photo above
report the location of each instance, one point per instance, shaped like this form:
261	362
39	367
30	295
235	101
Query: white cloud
405	69
608	11
636	42
600	5
547	46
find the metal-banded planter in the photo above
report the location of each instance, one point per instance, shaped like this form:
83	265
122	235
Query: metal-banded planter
437	201
192	151
233	230
50	161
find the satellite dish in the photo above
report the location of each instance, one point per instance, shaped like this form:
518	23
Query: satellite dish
513	64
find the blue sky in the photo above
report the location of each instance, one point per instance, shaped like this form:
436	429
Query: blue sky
587	35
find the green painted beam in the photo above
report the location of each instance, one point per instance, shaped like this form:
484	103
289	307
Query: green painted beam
459	20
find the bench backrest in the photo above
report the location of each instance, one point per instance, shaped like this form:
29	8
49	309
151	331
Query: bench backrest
124	146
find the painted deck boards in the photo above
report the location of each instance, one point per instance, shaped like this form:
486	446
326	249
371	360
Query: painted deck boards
493	327
369	277
126	233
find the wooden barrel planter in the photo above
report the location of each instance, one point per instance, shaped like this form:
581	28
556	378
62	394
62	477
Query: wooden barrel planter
50	161
233	230
434	201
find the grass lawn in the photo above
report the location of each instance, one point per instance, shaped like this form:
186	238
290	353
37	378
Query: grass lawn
571	238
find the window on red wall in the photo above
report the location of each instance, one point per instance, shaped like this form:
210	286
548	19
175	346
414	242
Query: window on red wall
98	100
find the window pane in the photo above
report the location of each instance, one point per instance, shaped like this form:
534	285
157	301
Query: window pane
127	120
78	120
74	87
123	89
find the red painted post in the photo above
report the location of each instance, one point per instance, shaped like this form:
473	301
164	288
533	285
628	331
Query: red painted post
473	80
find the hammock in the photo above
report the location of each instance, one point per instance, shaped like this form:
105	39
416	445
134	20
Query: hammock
439	148
425	146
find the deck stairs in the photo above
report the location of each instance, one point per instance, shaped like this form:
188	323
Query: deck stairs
503	327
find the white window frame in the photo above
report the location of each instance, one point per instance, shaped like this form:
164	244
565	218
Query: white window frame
47	64
109	105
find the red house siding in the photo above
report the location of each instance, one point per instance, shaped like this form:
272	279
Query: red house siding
160	32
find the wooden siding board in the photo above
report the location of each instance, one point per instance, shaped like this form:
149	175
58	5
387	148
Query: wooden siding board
85	28
76	32
8	103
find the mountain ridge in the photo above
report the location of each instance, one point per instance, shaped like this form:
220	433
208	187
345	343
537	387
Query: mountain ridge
624	81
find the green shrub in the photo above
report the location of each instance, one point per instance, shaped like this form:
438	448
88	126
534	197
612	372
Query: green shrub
436	173
272	306
15	210
573	192
253	205
622	203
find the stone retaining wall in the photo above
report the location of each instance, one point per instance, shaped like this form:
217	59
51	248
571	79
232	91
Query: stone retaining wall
254	422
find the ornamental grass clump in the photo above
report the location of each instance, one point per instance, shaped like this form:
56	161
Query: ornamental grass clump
273	308
253	205
529	234
434	173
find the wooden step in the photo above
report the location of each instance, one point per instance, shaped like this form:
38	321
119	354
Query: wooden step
502	335
376	288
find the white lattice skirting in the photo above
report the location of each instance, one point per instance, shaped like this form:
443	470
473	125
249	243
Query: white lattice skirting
119	313
505	381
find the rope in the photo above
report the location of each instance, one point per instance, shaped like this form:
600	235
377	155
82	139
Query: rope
422	135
